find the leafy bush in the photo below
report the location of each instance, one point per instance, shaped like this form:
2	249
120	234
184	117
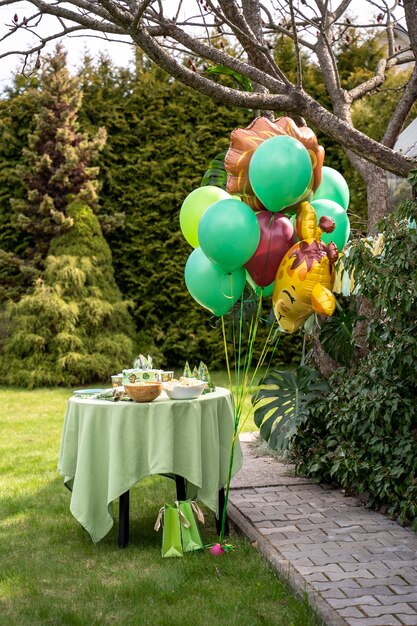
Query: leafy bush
363	435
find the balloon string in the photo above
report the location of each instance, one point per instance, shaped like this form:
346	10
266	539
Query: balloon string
226	353
243	385
258	367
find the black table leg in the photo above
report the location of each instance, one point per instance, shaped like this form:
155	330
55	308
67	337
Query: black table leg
124	520
219	519
180	485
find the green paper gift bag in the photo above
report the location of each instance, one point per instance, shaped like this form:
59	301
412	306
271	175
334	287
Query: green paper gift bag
171	533
179	528
190	535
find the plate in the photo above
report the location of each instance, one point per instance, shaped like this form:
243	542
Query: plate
87	392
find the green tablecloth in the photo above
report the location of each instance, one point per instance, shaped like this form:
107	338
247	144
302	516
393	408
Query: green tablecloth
107	447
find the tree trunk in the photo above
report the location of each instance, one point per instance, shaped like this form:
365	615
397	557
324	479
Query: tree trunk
322	361
377	203
377	196
376	182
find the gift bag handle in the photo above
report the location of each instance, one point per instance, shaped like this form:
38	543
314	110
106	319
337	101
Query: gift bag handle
159	519
197	511
181	515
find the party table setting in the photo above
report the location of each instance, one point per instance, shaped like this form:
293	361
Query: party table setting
110	442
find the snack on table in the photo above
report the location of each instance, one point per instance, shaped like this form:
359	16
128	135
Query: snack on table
143	392
184	388
184	381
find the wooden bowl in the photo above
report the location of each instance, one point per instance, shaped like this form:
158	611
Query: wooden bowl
143	392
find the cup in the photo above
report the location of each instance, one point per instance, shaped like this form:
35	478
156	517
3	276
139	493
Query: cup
117	380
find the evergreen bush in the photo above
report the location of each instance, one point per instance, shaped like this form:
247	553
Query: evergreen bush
74	328
57	164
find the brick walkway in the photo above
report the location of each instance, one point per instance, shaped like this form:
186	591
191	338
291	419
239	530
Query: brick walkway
358	567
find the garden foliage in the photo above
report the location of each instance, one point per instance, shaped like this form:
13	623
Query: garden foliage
162	140
287	395
363	434
73	328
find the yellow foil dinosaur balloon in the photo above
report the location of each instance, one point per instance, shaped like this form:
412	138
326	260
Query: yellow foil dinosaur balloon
306	275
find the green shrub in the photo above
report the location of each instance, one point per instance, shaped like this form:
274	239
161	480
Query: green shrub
363	435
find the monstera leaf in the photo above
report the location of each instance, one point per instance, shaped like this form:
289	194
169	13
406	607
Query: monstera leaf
216	173
288	398
337	336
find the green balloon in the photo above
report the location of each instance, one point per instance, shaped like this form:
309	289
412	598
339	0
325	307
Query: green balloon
193	207
229	233
331	209
210	286
280	171
333	187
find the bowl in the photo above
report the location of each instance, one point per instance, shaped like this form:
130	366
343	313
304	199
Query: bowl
184	392
143	392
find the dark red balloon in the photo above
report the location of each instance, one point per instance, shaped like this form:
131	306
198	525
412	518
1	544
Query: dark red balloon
277	236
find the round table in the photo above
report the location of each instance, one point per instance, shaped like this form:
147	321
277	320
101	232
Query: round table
107	447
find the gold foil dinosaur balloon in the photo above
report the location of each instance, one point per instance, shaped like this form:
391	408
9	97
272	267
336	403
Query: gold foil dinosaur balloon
306	275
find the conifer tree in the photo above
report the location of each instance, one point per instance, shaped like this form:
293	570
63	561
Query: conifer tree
74	327
57	164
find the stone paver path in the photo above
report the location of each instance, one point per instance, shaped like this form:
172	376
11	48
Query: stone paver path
358	567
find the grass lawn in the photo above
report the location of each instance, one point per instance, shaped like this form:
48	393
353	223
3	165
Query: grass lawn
52	573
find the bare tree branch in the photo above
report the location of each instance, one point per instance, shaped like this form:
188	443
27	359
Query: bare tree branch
43	42
371	84
297	47
402	111
220	57
140	11
341	9
80	18
251	26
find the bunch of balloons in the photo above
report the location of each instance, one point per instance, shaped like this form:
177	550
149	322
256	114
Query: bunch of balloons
282	211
